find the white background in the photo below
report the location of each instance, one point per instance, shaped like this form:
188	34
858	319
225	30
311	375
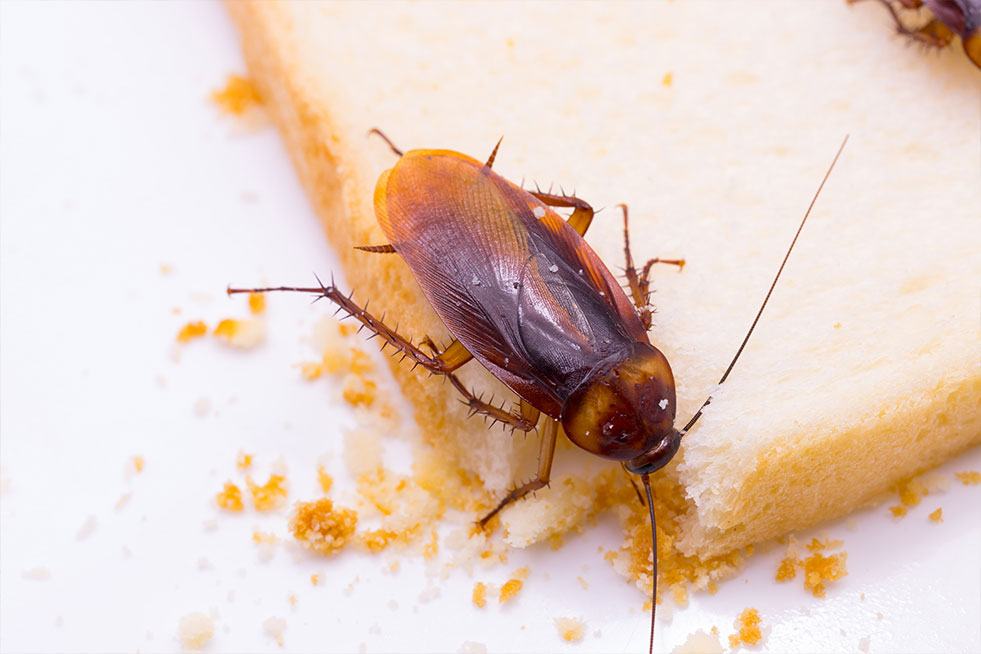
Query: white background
113	163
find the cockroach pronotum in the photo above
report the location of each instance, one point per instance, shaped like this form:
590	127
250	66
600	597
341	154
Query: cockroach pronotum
522	292
950	17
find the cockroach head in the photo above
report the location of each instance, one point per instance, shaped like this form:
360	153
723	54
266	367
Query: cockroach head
624	410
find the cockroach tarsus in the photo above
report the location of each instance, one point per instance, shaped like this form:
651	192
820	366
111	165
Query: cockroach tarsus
949	18
520	290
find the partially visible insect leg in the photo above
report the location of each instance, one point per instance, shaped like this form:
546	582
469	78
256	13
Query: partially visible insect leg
378	132
389	336
525	420
933	34
545	456
582	214
640	284
378	249
452	356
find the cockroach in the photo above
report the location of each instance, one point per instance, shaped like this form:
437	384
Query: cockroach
522	292
950	17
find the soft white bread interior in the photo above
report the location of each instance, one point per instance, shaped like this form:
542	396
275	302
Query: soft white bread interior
714	122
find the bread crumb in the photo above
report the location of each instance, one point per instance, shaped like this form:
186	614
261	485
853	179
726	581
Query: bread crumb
191	331
470	647
321	528
274	628
583	583
230	498
700	643
264	536
315	579
201	406
325	480
311	371
819	569
788	568
969	478
87	528
748	628
827	544
243	461
36	574
244	333
509	590
293	599
195	630
377	539
570	629
257	303
898	511
480	594
667	79
937	516
239	95
357	390
271	495
911	492
431	549
138	463
123	500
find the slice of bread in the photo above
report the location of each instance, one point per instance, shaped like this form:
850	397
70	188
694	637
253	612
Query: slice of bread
715	123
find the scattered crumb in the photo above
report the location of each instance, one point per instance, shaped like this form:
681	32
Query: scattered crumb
238	95
195	630
263	536
570	629
245	333
937	516
911	492
788	568
819	568
969	478
837	325
377	539
87	528
138	463
667	79
243	460
201	406
230	498
257	303
700	643
123	500
37	574
325	480
509	590
357	390
315	579
319	527
274	627
480	594
166	269
470	647
272	495
898	511
817	545
936	482
191	331
747	628
583	583
293	599
311	370
431	549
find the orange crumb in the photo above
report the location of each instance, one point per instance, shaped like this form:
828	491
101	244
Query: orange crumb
969	478
837	325
361	362
357	390
556	540
583	583
315	579
320	527
166	269
243	460
138	463
521	573
347	328
819	568
431	549
264	537
480	594
713	588
240	333
748	625
570	629
257	303
509	590
292	599
238	95
937	516
715	630
378	539
898	511
827	544
325	480
311	371
271	495
788	568
394	566
911	492
230	498
191	331
667	79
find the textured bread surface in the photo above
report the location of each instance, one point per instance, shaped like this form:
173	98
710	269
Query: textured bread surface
715	123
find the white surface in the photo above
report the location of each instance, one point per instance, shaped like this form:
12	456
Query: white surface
113	162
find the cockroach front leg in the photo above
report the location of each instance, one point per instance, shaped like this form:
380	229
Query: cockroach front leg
545	455
582	212
640	284
933	34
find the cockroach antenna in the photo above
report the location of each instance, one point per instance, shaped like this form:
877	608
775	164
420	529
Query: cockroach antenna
650	508
725	375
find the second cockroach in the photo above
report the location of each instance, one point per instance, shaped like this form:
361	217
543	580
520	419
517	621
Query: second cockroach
522	292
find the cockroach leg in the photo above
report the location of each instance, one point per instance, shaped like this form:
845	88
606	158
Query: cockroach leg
452	356
630	478
640	284
545	456
378	132
378	249
582	214
933	34
493	155
525	420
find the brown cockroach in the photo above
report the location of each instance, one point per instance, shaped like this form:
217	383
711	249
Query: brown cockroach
522	292
950	17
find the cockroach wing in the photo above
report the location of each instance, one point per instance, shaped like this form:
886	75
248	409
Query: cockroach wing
508	277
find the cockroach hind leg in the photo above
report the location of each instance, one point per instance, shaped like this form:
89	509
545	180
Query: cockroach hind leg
545	456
